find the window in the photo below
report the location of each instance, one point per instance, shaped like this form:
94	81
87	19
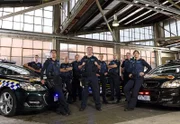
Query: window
34	21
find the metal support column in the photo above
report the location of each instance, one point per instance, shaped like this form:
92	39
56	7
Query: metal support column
56	28
158	33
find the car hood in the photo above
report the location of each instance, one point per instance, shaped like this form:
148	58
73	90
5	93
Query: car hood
24	78
161	76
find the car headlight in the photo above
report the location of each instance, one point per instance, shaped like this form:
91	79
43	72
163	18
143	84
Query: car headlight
171	84
30	87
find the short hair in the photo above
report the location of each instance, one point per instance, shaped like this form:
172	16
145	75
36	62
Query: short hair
89	47
136	51
76	55
53	51
36	55
128	53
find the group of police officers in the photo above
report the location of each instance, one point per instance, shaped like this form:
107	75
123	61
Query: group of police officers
80	74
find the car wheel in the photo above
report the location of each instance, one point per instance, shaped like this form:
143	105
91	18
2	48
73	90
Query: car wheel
7	103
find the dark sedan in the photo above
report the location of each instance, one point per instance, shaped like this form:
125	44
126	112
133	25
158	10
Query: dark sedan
162	85
20	90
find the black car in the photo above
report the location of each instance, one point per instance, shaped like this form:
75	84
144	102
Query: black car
20	90
162	85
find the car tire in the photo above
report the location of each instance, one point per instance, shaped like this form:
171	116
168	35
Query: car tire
8	103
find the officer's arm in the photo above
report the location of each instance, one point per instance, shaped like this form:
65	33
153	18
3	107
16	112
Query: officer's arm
147	66
62	69
112	66
69	68
43	69
122	67
82	63
27	65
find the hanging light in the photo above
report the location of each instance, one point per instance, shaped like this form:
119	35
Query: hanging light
115	23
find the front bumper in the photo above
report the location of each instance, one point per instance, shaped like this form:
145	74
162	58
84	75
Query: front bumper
31	101
165	97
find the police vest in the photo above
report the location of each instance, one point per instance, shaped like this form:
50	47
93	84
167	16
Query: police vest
53	68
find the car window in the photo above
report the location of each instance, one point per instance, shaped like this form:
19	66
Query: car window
8	69
5	71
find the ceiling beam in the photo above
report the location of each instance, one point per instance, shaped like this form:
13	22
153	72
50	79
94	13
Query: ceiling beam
153	14
144	6
33	8
172	10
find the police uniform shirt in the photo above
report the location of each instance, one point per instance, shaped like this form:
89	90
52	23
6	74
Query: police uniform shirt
138	66
104	68
127	66
34	65
90	67
115	70
76	70
52	68
64	66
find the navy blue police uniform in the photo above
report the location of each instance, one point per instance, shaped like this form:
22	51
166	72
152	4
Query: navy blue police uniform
114	80
67	79
89	78
54	83
76	88
127	66
134	84
103	78
35	65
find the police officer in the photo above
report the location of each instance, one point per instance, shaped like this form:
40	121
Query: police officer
67	75
76	79
102	73
114	78
126	68
90	65
137	77
34	65
52	68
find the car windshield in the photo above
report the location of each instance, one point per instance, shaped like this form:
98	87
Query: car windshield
165	70
18	69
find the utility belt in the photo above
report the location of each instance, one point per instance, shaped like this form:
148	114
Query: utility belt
113	74
50	81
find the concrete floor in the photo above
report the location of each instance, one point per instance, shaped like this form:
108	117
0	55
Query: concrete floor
111	114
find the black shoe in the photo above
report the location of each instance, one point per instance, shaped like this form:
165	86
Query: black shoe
111	99
105	102
128	109
99	109
81	109
61	113
118	101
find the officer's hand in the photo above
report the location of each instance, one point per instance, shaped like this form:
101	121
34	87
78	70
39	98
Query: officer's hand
130	75
97	75
105	73
43	81
83	63
141	73
38	71
95	63
122	78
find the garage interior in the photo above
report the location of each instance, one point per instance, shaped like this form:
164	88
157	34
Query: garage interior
34	27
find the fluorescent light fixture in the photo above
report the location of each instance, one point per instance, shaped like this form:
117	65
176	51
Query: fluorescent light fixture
115	23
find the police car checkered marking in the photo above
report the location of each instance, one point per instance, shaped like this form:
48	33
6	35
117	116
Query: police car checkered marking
13	85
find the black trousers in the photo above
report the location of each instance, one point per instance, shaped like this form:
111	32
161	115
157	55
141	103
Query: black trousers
68	82
114	81
103	81
91	81
76	88
57	89
133	85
